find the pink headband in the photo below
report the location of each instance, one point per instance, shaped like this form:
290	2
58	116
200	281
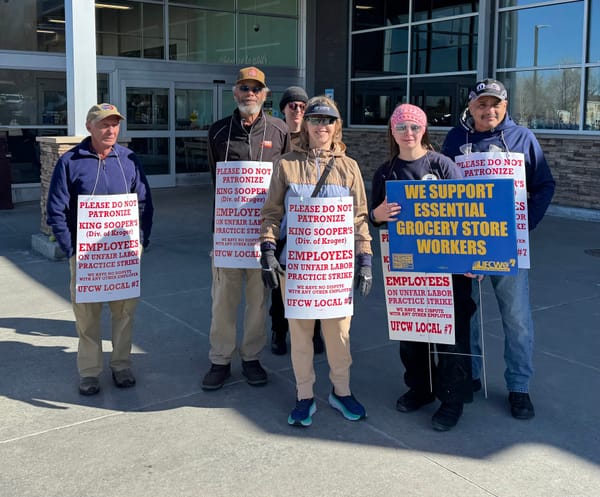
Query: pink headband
408	112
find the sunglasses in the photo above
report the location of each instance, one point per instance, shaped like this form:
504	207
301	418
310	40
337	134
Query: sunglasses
296	106
320	121
402	127
253	89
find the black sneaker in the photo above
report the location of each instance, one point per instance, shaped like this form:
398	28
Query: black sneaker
254	373
124	378
446	417
520	405
216	376
89	385
413	400
476	385
278	343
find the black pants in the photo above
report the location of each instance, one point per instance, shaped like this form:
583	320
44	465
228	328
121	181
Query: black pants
451	373
277	312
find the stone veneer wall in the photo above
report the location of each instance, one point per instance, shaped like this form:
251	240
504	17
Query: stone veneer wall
51	149
574	161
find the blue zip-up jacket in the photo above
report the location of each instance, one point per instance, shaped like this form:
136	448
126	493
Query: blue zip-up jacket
81	171
509	137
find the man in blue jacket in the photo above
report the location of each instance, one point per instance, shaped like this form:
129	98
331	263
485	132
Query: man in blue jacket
485	126
98	165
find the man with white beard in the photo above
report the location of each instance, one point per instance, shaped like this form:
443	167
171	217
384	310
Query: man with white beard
249	134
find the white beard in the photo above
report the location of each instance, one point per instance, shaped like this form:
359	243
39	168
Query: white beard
249	109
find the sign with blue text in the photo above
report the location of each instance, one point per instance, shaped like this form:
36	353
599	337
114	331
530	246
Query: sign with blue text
453	226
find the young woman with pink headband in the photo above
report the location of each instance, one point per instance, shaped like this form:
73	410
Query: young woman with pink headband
412	158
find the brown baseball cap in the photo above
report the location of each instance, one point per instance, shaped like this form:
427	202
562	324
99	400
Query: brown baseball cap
253	73
102	111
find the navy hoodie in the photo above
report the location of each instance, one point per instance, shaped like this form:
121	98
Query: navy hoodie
80	171
509	137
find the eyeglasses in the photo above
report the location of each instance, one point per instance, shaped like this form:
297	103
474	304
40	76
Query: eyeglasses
296	106
320	121
253	89
402	127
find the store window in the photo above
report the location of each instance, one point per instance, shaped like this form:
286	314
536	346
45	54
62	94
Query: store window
130	29
425	61
543	63
446	46
32	104
202	36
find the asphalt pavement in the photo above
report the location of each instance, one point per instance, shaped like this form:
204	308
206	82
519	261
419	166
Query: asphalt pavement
167	437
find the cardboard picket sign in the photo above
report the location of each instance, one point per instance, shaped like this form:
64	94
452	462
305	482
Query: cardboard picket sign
320	258
420	306
240	193
453	226
108	248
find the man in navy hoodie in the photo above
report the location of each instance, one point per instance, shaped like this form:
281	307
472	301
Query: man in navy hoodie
485	126
98	165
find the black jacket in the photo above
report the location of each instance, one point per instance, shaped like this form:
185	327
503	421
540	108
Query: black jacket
267	140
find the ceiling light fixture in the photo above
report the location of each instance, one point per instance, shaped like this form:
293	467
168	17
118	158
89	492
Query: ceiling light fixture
112	6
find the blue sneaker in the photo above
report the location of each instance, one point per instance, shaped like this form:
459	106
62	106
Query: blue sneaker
350	408
302	413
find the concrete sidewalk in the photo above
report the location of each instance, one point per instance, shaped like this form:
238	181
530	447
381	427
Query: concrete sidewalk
167	437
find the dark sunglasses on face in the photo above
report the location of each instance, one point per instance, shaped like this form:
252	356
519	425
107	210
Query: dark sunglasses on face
296	106
253	89
320	121
402	127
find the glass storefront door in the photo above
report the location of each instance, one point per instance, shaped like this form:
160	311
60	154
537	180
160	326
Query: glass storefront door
148	129
167	125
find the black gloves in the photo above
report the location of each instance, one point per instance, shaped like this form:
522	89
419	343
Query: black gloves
364	275
270	266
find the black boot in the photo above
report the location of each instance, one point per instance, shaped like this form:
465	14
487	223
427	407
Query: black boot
278	342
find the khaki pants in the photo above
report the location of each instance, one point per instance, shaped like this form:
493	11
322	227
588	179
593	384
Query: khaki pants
227	288
336	333
87	322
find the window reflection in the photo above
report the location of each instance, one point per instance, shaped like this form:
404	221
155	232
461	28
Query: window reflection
552	104
380	53
147	108
592	109
558	30
367	14
442	8
373	102
136	31
201	36
193	109
445	46
153	153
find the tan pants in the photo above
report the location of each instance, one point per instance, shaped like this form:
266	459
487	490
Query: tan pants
227	288
87	322
336	333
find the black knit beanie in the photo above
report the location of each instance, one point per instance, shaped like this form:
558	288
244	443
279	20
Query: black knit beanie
292	94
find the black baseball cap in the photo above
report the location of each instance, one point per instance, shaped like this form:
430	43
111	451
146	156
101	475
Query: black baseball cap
488	87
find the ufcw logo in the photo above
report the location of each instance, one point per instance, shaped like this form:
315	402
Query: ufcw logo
493	265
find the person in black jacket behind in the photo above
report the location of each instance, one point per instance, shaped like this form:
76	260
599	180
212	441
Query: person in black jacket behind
249	134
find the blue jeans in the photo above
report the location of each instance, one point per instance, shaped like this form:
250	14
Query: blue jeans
512	295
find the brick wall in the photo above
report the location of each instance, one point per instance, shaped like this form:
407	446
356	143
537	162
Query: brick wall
575	162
